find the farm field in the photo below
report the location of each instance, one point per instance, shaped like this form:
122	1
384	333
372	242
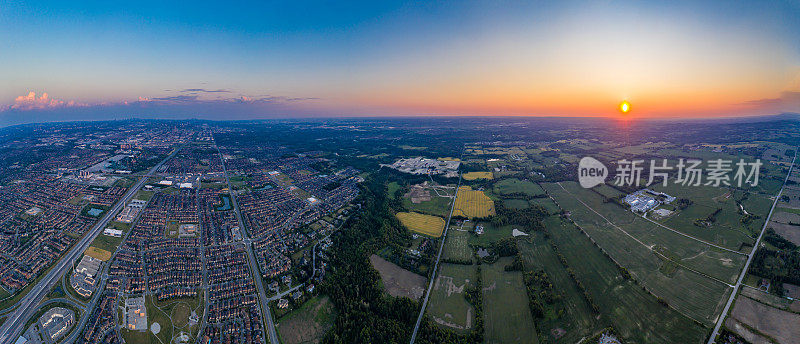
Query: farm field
514	185
422	224
516	203
571	318
507	317
456	247
775	323
478	175
447	307
547	204
438	206
398	282
698	294
308	323
471	203
727	229
491	234
634	313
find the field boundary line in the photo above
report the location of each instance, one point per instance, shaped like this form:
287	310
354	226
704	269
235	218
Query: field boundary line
713	337
691	237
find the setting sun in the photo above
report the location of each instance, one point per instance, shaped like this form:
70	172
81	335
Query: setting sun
624	107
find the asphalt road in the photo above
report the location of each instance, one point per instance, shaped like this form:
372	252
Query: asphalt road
15	323
262	296
435	266
723	315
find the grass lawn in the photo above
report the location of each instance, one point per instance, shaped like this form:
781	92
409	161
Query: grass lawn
106	243
144	195
507	318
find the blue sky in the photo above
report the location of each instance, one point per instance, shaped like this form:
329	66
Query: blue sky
324	58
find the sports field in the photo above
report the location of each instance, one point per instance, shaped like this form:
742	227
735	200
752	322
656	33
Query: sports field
514	185
478	175
422	224
507	318
447	307
471	203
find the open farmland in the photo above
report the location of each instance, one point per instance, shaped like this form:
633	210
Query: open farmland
478	175
689	275
448	307
456	247
635	314
398	282
423	224
472	203
570	318
507	317
514	185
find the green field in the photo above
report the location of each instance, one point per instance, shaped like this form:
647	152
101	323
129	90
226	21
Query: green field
490	234
447	307
572	314
439	206
392	188
547	204
308	323
635	314
514	185
506	316
727	230
516	203
692	293
456	246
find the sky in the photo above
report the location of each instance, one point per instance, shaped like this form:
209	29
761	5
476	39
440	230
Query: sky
77	60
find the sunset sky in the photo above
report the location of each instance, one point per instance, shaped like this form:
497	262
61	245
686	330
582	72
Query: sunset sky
231	60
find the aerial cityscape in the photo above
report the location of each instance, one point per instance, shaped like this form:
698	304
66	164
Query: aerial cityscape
400	172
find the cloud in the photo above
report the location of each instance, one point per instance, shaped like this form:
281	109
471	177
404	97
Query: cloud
193	90
176	98
787	101
35	108
32	102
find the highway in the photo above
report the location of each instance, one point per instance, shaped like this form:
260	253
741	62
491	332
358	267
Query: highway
15	323
713	338
262	296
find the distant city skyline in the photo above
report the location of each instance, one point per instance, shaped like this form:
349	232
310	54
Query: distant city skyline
101	60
